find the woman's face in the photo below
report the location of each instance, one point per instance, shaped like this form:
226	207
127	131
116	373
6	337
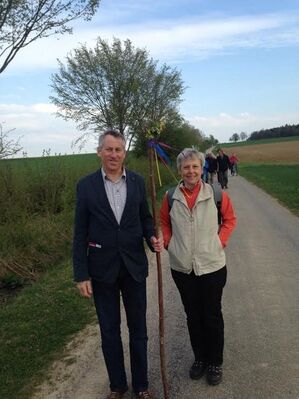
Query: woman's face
191	172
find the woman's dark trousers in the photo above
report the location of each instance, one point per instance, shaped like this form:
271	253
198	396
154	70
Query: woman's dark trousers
107	303
201	297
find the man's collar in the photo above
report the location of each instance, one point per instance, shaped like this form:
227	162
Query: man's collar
105	177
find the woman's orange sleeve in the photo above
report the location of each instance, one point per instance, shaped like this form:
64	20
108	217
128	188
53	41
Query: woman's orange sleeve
229	219
165	221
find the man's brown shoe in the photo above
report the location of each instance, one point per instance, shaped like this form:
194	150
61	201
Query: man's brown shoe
144	395
115	395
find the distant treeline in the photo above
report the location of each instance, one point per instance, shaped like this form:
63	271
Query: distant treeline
282	131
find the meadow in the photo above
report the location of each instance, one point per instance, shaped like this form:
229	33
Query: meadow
279	180
36	202
274	152
272	165
261	141
37	198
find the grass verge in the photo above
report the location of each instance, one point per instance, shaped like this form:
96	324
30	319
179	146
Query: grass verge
35	326
280	181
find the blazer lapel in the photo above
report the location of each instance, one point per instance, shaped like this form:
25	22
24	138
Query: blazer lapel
101	196
130	180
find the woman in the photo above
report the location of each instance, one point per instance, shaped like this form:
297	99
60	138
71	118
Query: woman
233	159
197	260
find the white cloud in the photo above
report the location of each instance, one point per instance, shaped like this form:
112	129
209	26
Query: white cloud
39	129
172	40
44	108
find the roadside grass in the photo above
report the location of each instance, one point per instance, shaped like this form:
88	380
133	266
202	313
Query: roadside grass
280	181
35	326
36	211
29	246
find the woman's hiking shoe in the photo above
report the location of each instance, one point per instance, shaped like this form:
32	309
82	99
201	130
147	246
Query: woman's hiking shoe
197	370
214	374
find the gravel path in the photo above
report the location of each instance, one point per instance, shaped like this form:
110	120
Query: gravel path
261	313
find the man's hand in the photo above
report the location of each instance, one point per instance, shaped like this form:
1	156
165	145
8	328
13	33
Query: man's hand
157	243
85	288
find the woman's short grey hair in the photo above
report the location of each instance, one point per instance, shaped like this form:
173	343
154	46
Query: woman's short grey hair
110	132
189	153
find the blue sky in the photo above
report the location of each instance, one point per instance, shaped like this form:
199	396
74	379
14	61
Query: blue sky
238	59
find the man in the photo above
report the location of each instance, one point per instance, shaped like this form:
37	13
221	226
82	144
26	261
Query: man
111	220
223	166
213	166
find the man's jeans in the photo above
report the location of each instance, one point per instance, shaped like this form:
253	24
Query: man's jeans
107	303
223	177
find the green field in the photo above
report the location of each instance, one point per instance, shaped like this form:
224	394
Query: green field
263	141
280	181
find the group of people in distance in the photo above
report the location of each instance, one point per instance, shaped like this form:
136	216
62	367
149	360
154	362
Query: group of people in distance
216	168
112	219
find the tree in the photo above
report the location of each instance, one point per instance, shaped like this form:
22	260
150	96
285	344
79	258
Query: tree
235	137
177	133
24	21
209	143
115	86
282	131
243	136
8	147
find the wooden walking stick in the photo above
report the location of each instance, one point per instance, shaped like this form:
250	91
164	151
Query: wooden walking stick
159	273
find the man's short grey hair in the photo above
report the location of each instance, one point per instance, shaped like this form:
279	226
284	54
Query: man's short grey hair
110	132
189	153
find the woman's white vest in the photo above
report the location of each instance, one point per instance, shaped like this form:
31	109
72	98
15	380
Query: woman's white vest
195	244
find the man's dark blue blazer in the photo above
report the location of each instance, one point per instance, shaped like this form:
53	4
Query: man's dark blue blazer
116	243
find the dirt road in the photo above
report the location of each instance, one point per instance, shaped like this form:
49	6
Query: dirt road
260	304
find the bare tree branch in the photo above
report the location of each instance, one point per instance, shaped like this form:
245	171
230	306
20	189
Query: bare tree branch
24	21
8	147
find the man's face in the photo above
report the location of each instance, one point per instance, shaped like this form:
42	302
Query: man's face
112	154
191	171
